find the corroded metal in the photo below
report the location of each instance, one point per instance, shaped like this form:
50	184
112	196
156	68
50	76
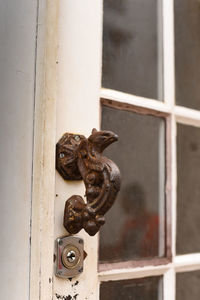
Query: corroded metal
67	155
69	256
101	177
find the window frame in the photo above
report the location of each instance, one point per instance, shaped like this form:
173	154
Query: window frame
167	202
174	114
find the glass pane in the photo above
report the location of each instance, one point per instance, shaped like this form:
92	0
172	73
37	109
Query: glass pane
187	286
187	50
132	47
188	189
137	289
134	226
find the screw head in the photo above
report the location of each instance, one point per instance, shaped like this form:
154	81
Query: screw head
60	242
62	155
77	138
71	256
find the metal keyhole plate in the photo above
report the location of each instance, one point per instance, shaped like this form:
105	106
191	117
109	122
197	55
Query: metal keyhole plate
69	257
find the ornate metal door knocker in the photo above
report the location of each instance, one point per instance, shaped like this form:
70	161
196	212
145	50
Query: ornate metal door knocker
79	158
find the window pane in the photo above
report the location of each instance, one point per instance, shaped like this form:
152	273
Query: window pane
187	286
187	50
132	47
134	226
188	189
137	289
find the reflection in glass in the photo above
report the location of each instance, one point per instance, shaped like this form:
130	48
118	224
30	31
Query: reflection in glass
187	52
138	289
188	189
134	226
187	286
132	47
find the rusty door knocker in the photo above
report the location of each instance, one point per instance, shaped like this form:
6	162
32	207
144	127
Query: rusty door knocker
79	158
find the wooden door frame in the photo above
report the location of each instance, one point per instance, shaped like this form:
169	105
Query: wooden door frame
42	224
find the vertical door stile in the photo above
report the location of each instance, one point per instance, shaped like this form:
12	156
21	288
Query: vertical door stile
79	73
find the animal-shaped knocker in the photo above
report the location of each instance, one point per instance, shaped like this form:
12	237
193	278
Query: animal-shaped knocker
78	158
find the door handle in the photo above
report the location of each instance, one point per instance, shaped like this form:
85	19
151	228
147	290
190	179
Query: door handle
78	157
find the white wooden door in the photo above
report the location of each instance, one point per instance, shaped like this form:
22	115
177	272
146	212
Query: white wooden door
71	103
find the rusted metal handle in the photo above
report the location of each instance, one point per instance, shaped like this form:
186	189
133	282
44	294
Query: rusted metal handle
79	158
